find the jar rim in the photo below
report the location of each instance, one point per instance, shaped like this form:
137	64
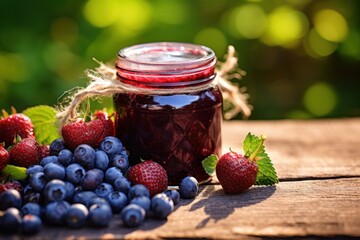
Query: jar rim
163	64
168	56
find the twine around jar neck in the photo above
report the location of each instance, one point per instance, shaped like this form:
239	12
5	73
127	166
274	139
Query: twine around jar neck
103	82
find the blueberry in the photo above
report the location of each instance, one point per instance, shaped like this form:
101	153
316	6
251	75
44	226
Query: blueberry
75	173
143	202
103	190
112	173
55	191
174	195
54	171
55	212
65	157
76	215
10	198
101	160
37	181
34	169
100	215
84	197
133	215
111	145
48	159
92	179
70	191
30	224
31	208
10	220
161	206
85	156
121	184
120	162
138	190
56	146
189	187
117	201
29	195
96	200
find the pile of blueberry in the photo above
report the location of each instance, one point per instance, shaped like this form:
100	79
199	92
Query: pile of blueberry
86	186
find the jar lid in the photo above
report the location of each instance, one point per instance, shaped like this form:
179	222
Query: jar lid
164	62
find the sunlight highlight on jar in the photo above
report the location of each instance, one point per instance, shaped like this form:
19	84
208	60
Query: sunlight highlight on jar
331	25
214	39
102	13
285	27
249	21
317	47
320	99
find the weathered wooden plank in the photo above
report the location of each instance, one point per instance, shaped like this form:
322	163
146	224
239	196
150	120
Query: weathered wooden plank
301	208
304	149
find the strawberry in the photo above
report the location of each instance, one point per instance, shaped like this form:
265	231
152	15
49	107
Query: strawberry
25	153
16	124
236	172
150	174
4	158
108	123
11	185
80	132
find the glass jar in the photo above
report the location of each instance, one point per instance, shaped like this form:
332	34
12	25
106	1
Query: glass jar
178	123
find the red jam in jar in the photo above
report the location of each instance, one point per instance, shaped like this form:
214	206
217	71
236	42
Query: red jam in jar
174	117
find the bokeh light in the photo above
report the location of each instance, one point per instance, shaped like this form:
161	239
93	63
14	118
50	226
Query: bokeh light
214	39
331	25
295	52
102	13
12	67
133	15
62	61
320	99
285	27
248	21
316	46
171	12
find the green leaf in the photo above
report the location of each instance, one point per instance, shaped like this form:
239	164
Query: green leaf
15	172
252	146
44	120
209	164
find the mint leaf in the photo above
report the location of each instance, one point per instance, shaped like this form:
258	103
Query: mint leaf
254	149
44	120
266	173
209	164
15	172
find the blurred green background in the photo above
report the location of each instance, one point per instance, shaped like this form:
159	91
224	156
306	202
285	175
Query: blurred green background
302	57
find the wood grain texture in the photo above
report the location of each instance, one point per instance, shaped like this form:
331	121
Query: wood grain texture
303	149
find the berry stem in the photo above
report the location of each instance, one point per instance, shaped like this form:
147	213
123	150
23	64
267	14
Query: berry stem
255	153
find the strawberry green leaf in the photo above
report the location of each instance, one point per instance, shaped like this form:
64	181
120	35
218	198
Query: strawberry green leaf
44	120
15	172
266	172
209	164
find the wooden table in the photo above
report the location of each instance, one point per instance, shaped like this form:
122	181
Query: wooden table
318	163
